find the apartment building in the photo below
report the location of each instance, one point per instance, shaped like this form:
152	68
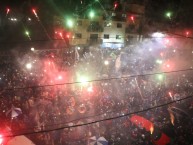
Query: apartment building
110	29
113	35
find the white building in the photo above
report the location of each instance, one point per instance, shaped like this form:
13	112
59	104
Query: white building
113	35
112	29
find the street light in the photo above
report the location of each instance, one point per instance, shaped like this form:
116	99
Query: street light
32	49
27	33
70	23
106	62
91	14
169	14
28	66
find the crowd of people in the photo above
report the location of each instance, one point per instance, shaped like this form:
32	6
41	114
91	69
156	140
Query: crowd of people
75	110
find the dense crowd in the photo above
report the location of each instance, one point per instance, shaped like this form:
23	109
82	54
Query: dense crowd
116	89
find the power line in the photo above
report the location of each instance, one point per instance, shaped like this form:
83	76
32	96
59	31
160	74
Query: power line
179	35
86	117
102	120
133	36
99	80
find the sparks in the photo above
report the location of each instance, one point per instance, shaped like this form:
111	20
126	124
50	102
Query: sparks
151	129
34	11
90	89
1	139
28	65
170	94
8	10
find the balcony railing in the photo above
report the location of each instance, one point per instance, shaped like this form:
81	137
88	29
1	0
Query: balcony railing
94	41
95	28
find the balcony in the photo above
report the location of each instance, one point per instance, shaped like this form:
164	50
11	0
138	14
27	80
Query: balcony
94	27
93	41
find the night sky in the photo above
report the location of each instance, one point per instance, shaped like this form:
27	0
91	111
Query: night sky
155	9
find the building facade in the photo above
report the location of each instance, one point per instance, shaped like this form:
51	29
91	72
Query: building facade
110	29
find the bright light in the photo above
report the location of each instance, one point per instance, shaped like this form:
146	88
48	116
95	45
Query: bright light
90	89
59	77
70	23
132	18
27	32
91	14
60	34
32	49
52	55
34	11
1	139
158	35
170	94
159	61
13	19
151	129
109	24
8	10
115	5
187	33
83	79
106	62
28	65
160	77
168	14
167	41
168	65
68	35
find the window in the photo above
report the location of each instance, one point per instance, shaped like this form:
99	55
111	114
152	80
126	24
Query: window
93	36
124	15
94	27
106	36
107	24
78	35
118	36
113	14
119	25
79	23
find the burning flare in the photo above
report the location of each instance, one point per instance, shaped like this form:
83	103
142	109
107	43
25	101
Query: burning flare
151	129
